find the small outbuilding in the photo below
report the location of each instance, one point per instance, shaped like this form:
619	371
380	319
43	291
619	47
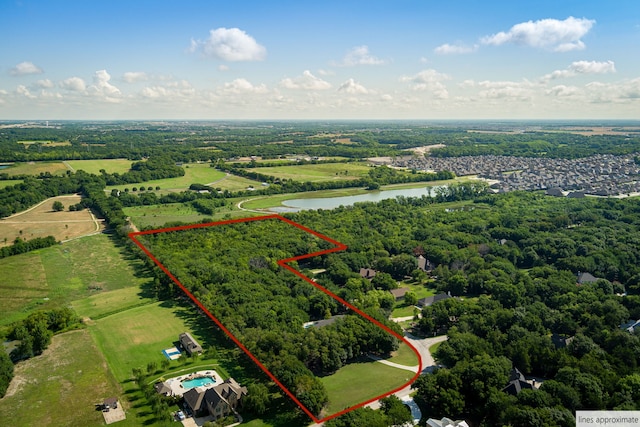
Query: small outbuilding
189	344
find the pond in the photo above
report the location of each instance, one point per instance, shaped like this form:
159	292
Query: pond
296	205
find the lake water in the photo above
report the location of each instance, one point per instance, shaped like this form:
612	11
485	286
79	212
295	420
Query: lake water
4	166
295	205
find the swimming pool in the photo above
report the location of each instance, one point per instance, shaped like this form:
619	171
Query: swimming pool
197	382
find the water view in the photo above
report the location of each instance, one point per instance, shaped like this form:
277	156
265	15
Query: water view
295	205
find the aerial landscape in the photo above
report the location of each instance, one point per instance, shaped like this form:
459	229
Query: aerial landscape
344	214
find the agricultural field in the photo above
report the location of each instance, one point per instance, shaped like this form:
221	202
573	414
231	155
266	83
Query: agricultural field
358	382
318	172
36	168
94	166
195	173
60	387
42	221
235	183
159	215
55	276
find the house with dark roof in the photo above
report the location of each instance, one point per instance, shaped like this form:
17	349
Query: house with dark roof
367	273
631	326
399	293
424	264
586	278
218	402
559	341
425	302
189	344
516	383
163	388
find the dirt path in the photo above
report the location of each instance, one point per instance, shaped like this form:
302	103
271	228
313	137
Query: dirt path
35	206
64	162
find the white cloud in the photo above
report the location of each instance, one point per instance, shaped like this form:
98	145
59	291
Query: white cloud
102	87
45	84
135	76
582	67
559	36
360	55
563	91
352	87
173	91
239	86
75	84
306	81
230	44
326	72
452	49
429	80
508	90
22	90
223	67
24	68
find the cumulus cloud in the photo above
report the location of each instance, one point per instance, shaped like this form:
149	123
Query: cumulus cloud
24	68
223	67
102	87
230	44
452	49
239	86
508	90
562	91
429	80
306	81
74	84
135	76
22	90
360	55
559	36
45	84
352	87
173	91
582	67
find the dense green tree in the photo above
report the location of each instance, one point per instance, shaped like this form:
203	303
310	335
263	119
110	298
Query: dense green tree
6	372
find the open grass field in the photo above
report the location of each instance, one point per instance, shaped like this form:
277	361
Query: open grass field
318	172
133	338
195	173
93	166
404	356
159	215
42	221
60	387
55	276
35	168
358	382
8	182
235	183
106	303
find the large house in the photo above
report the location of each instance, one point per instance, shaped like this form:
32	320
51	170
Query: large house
425	302
517	383
189	344
219	401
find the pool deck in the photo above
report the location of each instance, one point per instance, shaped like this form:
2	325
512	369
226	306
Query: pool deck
176	382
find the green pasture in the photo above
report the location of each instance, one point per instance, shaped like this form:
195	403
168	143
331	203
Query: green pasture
358	382
235	183
61	387
106	303
8	182
159	215
55	276
94	166
195	173
36	168
317	172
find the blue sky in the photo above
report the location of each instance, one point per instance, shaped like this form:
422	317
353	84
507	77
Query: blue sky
395	59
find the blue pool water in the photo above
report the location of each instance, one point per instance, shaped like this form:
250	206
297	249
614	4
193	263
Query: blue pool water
197	382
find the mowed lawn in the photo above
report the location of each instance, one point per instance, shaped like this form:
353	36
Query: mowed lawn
404	356
159	215
94	166
318	172
35	168
9	182
195	173
106	303
133	338
60	387
358	382
55	276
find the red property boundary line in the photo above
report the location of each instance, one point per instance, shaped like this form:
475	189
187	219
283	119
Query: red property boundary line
285	264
